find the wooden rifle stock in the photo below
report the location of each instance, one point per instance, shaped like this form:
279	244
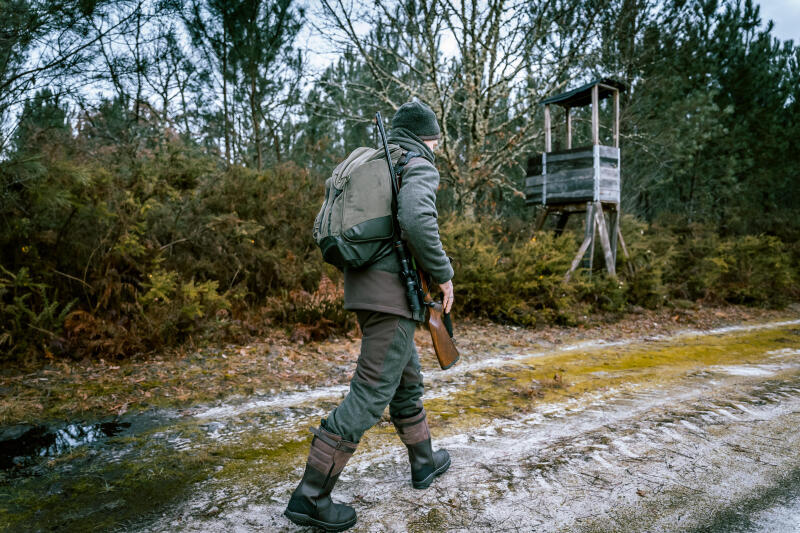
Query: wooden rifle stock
440	327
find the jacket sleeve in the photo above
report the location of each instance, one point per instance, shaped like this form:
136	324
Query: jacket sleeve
416	213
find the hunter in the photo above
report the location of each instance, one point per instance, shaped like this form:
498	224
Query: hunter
388	371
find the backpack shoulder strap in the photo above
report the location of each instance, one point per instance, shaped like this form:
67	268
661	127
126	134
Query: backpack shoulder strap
406	160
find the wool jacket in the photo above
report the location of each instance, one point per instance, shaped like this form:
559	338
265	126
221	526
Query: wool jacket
378	287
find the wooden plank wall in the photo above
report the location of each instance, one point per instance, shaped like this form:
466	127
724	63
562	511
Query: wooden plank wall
609	190
570	177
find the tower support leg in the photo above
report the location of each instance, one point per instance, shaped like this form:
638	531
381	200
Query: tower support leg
602	230
588	258
582	250
614	231
541	218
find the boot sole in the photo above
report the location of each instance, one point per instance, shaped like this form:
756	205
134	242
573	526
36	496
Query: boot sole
425	483
304	520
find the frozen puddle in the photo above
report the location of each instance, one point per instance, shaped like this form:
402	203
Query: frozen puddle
291	399
783	353
714	449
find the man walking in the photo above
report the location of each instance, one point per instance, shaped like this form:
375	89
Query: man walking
388	370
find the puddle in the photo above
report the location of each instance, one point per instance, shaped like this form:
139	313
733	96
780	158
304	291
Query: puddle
20	445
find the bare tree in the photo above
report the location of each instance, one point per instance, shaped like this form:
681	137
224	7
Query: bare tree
209	25
41	44
508	55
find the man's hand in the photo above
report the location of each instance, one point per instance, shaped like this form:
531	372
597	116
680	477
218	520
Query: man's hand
447	289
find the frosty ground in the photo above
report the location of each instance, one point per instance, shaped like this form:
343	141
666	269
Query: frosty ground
692	430
695	432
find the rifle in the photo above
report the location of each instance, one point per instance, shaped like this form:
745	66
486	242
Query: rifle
441	328
439	323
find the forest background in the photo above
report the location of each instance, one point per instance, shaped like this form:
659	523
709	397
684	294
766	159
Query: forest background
161	161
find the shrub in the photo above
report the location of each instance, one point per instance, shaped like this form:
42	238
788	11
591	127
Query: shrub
314	315
651	249
509	277
246	228
109	250
687	271
752	269
32	314
174	308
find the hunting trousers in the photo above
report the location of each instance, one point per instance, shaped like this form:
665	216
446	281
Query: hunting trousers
387	373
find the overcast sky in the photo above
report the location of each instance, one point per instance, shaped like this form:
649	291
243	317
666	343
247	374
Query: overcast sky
784	13
786	16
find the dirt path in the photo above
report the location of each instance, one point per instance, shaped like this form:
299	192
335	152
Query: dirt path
690	433
60	390
692	430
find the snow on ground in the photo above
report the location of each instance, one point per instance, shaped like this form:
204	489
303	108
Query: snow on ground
712	450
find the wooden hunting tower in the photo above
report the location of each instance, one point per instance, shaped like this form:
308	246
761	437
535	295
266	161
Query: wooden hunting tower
581	180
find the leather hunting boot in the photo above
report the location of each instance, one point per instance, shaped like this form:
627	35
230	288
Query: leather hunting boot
311	504
425	463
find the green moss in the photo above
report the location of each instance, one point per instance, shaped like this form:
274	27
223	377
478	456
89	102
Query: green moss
501	392
102	496
261	455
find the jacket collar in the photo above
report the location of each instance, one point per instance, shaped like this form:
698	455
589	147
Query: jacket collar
409	141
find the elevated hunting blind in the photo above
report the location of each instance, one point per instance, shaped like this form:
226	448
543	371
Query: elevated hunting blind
585	179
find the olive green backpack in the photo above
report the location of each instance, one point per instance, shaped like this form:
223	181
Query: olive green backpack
354	226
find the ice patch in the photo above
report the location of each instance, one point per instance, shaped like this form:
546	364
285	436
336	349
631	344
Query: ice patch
727	414
745	409
783	352
280	400
749	327
691	426
746	370
599	458
671	433
624	450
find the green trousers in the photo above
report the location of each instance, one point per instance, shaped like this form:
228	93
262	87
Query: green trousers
387	373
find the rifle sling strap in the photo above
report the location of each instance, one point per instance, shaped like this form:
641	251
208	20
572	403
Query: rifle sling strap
401	163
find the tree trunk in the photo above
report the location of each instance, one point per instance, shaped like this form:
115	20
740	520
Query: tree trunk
255	119
226	125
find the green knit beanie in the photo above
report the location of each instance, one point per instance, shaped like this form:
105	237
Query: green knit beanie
419	119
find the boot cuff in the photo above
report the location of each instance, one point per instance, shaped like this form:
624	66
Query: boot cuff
329	452
413	429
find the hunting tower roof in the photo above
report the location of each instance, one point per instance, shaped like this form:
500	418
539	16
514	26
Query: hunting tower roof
582	96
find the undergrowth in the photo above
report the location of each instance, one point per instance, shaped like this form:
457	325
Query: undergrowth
105	255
